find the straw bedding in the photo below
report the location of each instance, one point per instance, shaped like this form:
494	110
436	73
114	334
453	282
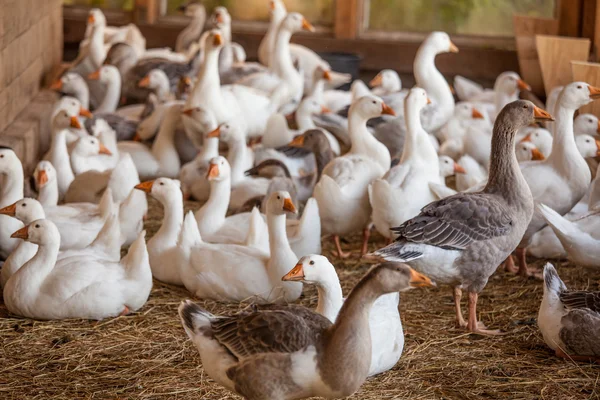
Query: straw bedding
147	355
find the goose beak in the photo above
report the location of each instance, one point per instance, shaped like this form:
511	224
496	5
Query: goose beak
418	280
57	85
84	112
11	210
188	112
272	5
598	147
327	75
94	76
22	233
387	110
289	206
325	110
307	25
452	89
216	133
522	85
475	114
428	100
296	274
526	138
218	39
75	123
137	137
213	171
542	115
537	155
145	82
187	80
104	150
145	186
458	169
594	92
42	178
220	19
377	81
298	141
453	48
91	19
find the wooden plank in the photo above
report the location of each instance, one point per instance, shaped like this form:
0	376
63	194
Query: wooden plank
349	18
531	26
569	15
590	73
555	54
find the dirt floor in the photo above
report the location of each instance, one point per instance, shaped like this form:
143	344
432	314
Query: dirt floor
147	355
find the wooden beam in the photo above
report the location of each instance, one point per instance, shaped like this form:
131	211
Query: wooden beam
349	18
570	17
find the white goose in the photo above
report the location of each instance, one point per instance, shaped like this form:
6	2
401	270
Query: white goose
586	124
11	190
82	155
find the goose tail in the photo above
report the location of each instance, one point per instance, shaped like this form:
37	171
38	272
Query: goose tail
106	206
257	232
109	239
189	235
194	318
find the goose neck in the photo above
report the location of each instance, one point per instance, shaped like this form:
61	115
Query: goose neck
172	219
11	189
48	195
505	175
96	46
278	241
210	149
111	98
82	93
282	60
212	214
35	271
360	137
304	120
563	143
208	85
330	297
237	157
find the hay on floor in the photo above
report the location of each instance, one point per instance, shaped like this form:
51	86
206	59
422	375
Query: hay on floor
147	354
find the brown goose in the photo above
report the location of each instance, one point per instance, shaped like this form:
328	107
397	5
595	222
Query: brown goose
461	240
295	353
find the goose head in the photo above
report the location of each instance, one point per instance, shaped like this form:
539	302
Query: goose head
154	79
106	74
220	17
69	83
521	113
510	83
25	210
73	107
313	139
440	42
526	151
213	40
192	10
162	189
310	106
586	124
539	137
578	94
370	107
553	285
41	232
90	146
218	169
8	160
588	146
417	99
280	203
63	120
96	18
390	277
467	112
314	269
387	79
449	167
321	72
277	9
44	174
228	132
295	22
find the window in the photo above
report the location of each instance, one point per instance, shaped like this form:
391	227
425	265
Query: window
125	5
318	12
468	17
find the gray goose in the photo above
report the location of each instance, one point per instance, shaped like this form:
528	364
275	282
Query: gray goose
461	240
257	354
569	320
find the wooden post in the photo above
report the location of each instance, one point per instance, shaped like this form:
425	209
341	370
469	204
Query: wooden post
556	54
570	17
349	18
146	11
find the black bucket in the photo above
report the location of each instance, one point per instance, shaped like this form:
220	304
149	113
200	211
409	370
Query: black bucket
347	63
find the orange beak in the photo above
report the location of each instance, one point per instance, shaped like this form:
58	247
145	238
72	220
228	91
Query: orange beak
325	110
104	150
307	26
94	76
475	114
327	75
296	274
377	81
57	85
298	141
187	80
220	18
42	178
145	186
75	123
428	100
188	112
137	137
452	89
598	147
272	5
84	112
91	19
526	138
542	115
213	171
458	169
216	133
9	210
419	280
387	110
522	85
218	39
536	155
22	233
453	48
289	206
594	92
144	82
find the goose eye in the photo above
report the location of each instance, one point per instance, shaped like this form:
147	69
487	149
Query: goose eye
579	87
24	205
37	225
1	155
590	121
278	197
161	184
312	262
525	106
587	141
374	102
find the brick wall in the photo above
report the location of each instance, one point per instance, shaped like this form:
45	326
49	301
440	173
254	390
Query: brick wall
31	41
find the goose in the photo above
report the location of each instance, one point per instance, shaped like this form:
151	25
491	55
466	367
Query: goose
58	154
551	101
404	189
474	174
191	33
230	272
384	317
73	84
467	89
564	173
541	138
342	191
448	167
569	320
79	286
110	78
386	82
465	116
586	124
46	184
526	151
280	179
11	190
461	240
157	81
587	145
242	356
82	153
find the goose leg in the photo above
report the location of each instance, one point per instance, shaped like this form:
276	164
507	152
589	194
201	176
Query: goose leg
509	265
475	326
460	320
524	271
365	244
560	353
338	247
124	312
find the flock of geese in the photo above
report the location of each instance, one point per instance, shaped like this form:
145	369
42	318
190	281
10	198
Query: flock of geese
350	160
